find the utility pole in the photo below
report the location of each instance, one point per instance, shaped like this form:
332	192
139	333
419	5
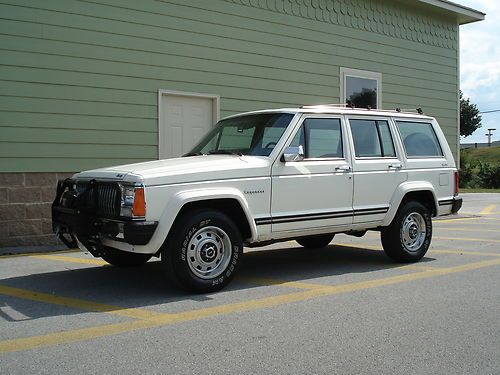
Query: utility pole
489	134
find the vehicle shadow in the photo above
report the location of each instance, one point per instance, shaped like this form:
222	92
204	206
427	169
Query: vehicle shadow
147	286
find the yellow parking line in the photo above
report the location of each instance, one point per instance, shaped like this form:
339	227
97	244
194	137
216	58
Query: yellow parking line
77	303
451	222
488	209
436	221
75	335
287	284
39	253
165	319
467	239
460	252
61	258
438	251
468	229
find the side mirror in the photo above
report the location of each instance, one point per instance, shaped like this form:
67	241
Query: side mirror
293	153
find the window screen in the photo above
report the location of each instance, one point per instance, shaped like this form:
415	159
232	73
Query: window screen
419	139
372	138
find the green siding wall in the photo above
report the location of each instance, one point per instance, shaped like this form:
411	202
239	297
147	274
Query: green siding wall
79	80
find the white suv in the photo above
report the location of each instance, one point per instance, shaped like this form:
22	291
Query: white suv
262	177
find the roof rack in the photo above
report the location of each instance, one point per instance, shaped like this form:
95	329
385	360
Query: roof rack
335	105
350	106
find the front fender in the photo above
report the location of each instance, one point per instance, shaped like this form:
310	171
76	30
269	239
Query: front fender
401	191
178	200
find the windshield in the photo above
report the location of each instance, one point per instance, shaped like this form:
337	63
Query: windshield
244	135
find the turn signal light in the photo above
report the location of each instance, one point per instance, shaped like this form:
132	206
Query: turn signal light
139	206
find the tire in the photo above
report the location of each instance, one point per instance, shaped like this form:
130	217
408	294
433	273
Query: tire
315	242
124	259
408	237
204	251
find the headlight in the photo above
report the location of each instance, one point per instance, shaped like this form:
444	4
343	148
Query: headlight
133	202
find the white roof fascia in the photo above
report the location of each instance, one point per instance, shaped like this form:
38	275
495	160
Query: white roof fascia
464	14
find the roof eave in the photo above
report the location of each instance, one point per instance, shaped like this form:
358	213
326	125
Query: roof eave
464	14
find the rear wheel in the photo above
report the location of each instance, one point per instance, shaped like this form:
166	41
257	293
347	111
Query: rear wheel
204	251
315	242
124	259
408	237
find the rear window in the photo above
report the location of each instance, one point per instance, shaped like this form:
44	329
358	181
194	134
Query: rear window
419	139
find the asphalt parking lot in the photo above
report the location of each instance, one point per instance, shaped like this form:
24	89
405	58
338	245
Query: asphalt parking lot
344	309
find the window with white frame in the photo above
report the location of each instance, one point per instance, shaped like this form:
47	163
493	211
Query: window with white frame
361	88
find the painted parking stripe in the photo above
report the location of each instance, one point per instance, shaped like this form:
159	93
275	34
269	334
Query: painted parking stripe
466	239
39	253
468	229
96	262
452	238
77	303
437	251
166	319
488	209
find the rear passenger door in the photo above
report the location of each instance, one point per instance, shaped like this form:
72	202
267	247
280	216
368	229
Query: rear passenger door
377	166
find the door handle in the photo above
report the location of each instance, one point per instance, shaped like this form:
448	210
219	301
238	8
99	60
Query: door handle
343	168
395	166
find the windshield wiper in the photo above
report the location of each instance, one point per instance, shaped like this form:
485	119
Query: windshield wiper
224	152
193	154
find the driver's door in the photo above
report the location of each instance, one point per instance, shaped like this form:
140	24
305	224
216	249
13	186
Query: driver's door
315	192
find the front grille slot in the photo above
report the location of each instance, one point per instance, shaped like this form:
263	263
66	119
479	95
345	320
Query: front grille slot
101	198
108	199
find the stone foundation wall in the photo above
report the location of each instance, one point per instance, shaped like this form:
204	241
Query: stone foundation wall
25	208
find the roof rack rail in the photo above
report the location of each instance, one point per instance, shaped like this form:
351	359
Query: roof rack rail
351	106
340	105
411	110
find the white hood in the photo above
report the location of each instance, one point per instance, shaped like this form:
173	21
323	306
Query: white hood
184	170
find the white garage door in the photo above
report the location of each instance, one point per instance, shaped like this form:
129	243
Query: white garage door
184	119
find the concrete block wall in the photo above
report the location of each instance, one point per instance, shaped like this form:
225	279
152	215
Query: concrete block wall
25	208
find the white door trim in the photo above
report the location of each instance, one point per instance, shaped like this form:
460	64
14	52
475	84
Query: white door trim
162	92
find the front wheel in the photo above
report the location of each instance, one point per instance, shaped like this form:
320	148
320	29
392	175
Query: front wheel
204	251
408	237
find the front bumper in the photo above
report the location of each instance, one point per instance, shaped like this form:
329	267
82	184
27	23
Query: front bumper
75	216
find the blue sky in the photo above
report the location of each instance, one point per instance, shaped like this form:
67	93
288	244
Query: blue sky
480	65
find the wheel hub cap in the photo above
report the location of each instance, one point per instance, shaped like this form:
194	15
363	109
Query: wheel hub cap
413	231
209	252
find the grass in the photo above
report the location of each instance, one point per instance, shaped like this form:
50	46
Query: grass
479	190
489	154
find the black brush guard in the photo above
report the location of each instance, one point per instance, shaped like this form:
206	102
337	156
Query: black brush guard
90	210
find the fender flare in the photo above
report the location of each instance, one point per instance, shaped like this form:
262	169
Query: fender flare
179	200
403	189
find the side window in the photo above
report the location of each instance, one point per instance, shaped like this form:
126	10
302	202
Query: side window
419	139
386	139
372	138
321	138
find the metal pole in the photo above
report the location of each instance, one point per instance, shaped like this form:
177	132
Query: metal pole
489	134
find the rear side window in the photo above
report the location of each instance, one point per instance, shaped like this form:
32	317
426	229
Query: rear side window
372	138
419	139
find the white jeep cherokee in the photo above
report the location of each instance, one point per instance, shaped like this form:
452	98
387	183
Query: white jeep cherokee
262	177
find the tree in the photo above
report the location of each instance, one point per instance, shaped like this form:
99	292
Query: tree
470	119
